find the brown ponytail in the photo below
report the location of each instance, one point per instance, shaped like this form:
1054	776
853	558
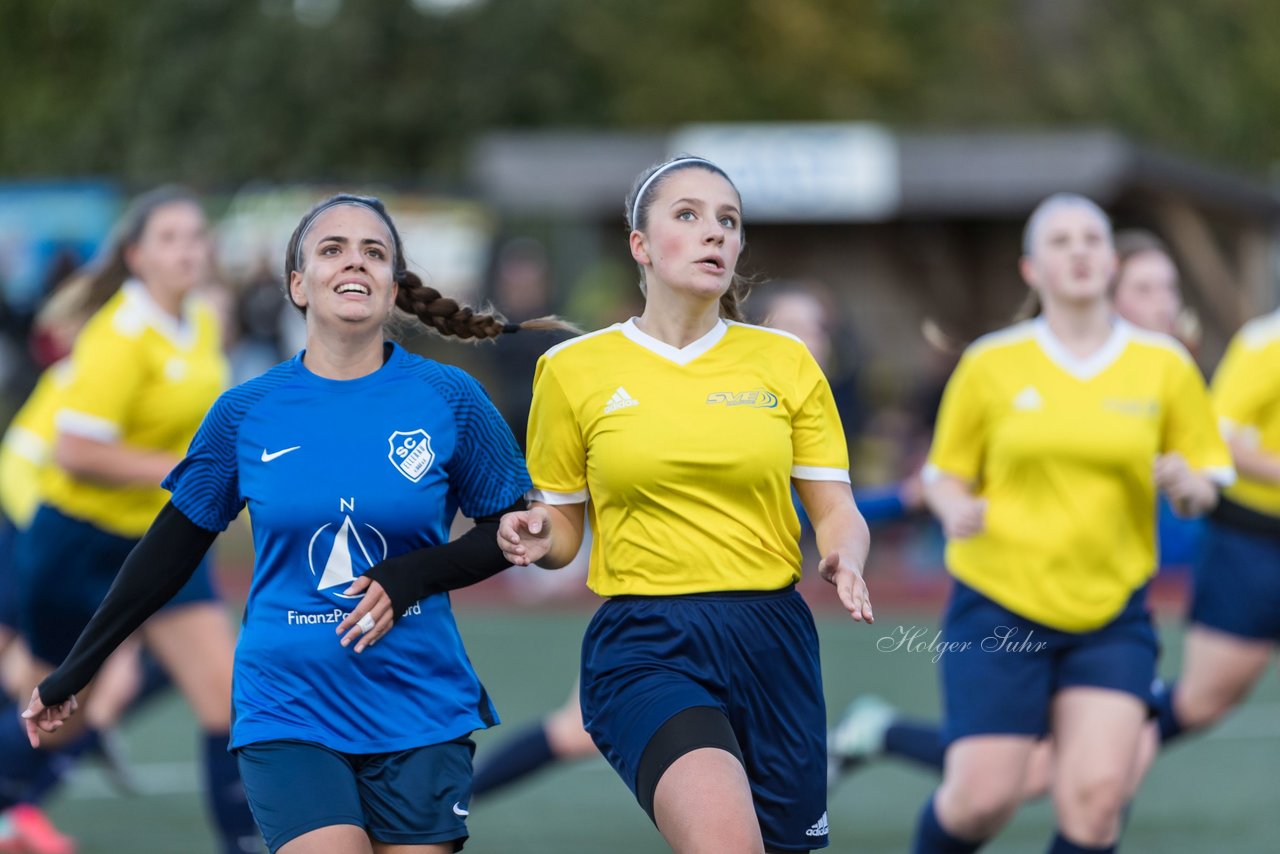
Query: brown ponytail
732	300
450	318
443	314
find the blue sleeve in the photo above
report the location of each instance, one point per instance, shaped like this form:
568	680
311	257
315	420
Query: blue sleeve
488	472
1179	539
206	484
880	504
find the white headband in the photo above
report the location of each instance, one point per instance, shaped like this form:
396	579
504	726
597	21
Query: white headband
679	161
334	203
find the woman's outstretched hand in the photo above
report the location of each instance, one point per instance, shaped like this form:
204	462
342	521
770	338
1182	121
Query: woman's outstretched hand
39	717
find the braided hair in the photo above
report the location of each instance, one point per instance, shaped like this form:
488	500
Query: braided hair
437	312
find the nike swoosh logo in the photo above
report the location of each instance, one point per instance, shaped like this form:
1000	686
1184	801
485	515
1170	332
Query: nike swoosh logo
266	458
458	810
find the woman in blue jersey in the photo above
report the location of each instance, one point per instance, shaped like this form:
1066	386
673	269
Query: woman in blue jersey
141	374
686	428
352	458
1053	437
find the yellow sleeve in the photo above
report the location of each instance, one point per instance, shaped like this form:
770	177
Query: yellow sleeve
960	436
557	454
1190	427
817	436
1241	391
102	381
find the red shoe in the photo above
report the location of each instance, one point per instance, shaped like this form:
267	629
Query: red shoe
36	833
9	841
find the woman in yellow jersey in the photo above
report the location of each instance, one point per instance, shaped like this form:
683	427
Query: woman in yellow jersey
24	461
686	428
1235	609
1145	293
142	374
1051	442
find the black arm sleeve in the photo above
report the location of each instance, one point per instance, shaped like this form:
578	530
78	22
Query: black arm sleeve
418	574
163	560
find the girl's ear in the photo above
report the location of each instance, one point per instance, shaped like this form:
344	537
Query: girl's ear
639	248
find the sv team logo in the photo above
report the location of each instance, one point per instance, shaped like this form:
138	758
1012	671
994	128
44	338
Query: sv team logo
757	398
340	553
411	453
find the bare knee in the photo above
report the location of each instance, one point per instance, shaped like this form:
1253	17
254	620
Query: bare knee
1089	809
566	735
975	808
1204	709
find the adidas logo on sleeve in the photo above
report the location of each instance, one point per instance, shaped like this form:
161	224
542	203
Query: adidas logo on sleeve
620	400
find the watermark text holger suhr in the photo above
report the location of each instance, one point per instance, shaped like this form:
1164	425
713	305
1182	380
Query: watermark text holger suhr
919	639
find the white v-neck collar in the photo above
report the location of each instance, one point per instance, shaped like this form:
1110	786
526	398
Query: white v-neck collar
1090	366
181	332
680	355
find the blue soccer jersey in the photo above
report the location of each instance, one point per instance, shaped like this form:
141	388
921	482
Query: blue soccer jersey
337	475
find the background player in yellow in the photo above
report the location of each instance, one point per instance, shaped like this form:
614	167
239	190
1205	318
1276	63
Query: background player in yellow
142	374
1235	608
1146	293
1052	440
686	428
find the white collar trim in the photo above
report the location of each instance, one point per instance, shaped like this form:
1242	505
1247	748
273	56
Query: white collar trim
181	332
680	355
1090	366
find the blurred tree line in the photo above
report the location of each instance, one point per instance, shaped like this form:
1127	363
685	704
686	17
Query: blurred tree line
218	92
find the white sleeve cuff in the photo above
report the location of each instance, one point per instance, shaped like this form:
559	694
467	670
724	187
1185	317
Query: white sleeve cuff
932	474
820	473
86	426
1223	476
27	445
546	496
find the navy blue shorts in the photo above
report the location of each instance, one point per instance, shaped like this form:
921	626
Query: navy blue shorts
1237	582
1000	671
410	797
752	656
64	568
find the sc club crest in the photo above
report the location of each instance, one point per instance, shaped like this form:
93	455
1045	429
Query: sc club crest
411	453
339	553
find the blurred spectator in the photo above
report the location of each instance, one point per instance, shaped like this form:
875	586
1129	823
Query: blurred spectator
521	283
811	312
258	321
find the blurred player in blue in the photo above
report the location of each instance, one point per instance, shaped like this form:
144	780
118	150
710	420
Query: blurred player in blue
352	458
687	428
1053	438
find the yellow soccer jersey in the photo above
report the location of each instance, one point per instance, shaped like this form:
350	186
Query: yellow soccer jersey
687	454
25	452
141	378
1246	396
1063	451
